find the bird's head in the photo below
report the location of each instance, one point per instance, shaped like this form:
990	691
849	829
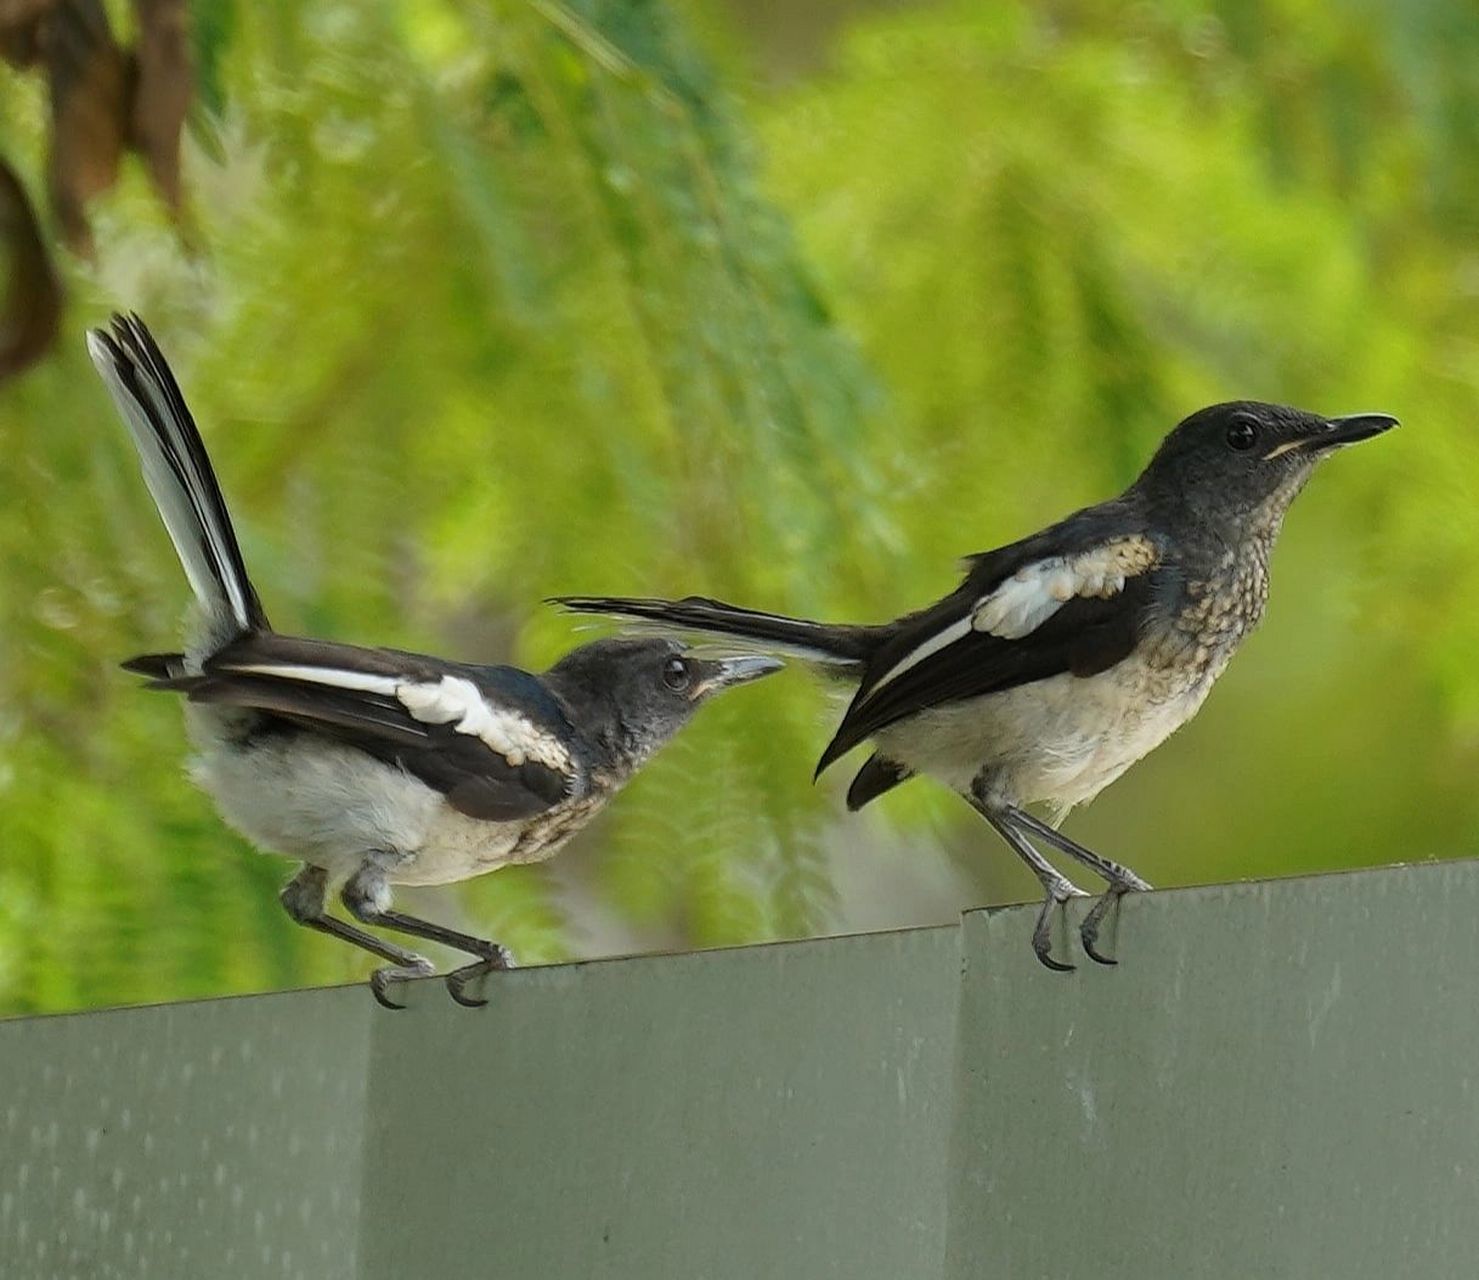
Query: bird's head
630	695
1242	463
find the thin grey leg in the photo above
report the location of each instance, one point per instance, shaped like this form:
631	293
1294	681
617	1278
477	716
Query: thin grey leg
366	896
303	898
1120	878
1057	887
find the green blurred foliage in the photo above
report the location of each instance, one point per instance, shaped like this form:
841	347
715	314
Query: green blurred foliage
483	302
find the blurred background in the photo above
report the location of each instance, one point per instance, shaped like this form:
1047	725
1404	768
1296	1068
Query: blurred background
788	301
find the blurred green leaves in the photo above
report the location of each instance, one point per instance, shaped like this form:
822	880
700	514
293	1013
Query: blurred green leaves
491	301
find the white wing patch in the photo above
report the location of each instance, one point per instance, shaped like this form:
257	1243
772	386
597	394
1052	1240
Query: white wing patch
452	698
1025	601
1037	591
1033	594
511	735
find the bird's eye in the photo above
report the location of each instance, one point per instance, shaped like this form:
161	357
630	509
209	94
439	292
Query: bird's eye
675	674
1242	434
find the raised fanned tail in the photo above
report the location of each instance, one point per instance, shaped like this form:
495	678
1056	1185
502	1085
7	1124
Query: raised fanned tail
178	473
836	646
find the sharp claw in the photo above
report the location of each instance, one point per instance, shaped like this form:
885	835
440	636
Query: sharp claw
1042	939
381	979
500	959
1057	966
1089	944
1089	931
378	985
455	983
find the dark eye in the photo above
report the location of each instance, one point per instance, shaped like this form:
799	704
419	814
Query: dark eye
675	674
1242	434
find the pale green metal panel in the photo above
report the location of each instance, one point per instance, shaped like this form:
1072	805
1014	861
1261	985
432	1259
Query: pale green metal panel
187	1142
1277	1081
771	1112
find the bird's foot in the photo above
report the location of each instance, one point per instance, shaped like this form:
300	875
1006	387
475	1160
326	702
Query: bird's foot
382	980
1059	893
497	959
1088	931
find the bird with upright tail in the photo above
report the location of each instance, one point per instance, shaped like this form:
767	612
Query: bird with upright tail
1063	658
376	767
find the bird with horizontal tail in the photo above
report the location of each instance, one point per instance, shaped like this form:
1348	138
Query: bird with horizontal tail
1064	658
376	767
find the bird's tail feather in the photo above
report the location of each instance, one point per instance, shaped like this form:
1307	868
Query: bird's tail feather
768	633
178	473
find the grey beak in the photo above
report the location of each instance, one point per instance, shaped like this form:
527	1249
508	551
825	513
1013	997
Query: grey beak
1352	428
723	673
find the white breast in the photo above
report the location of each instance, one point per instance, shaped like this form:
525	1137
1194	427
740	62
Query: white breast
334	806
1059	741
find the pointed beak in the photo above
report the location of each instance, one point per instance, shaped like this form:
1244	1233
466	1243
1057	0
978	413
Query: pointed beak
724	673
1352	429
1337	433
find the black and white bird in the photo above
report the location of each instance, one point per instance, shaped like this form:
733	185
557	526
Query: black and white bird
1062	659
373	766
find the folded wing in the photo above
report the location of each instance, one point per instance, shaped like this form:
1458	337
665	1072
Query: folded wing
493	740
1069	600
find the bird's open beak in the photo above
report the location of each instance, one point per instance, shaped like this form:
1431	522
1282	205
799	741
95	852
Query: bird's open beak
722	673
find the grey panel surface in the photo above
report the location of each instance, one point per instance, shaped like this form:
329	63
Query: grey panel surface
214	1140
1277	1081
771	1112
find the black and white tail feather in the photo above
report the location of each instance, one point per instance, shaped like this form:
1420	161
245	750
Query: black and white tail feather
748	630
180	479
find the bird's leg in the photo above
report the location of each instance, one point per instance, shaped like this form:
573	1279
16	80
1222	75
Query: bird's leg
1057	887
366	895
1116	873
1121	879
303	898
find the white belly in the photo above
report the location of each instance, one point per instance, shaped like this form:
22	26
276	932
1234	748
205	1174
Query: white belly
1059	741
335	807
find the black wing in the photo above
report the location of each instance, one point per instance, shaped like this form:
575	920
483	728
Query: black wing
875	777
944	655
418	712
